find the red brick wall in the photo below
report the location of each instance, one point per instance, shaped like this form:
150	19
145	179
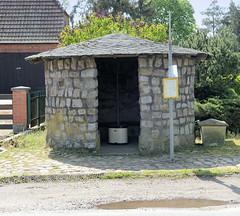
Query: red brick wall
26	48
20	107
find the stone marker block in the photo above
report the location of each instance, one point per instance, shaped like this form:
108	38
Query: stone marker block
213	132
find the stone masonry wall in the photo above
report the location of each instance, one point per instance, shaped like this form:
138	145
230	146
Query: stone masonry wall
154	110
71	103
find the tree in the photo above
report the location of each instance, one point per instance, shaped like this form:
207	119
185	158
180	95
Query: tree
216	82
213	19
99	24
144	10
227	17
112	6
141	9
65	4
237	87
232	19
183	22
134	9
80	4
216	76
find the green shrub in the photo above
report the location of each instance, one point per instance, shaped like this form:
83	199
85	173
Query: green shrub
97	25
227	110
237	87
231	114
210	109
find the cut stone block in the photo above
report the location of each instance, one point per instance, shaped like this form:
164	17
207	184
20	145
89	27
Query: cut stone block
213	132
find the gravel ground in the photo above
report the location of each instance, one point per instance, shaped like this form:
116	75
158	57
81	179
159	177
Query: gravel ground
5	133
87	194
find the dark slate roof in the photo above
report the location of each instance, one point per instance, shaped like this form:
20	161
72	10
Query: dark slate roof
114	45
30	21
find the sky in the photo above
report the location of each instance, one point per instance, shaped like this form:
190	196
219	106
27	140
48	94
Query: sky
202	5
199	6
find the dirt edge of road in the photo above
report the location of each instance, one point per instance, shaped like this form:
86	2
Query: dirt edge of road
115	175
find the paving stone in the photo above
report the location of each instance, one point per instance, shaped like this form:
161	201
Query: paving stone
73	164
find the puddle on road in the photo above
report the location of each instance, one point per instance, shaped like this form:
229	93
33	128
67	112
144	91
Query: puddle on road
175	203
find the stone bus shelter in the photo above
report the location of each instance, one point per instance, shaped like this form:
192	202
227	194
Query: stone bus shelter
81	98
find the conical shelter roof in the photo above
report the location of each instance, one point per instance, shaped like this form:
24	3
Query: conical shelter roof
115	45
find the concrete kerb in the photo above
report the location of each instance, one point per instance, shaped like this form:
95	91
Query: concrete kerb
49	178
18	179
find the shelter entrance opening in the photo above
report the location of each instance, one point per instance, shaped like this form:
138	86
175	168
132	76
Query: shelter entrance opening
118	97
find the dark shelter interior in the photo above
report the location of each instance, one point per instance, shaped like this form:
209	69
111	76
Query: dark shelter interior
118	95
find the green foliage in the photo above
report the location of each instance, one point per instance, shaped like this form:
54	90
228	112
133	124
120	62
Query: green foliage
231	113
210	109
237	86
233	136
213	19
216	76
216	82
112	6
33	140
232	19
141	9
144	10
97	25
227	110
172	174
182	19
121	175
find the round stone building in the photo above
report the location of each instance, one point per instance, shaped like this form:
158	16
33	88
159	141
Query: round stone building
81	81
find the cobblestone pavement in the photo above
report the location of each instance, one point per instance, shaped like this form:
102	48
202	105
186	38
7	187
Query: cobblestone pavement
41	163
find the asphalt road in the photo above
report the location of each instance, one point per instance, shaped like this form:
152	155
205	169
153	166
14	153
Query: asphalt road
81	198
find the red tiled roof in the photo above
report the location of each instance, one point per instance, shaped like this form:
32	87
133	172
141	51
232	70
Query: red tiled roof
30	21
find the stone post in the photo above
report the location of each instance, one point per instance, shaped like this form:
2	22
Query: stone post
213	132
19	108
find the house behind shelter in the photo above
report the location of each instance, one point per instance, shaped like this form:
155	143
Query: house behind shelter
27	27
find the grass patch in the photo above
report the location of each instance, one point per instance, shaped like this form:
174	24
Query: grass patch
33	142
36	141
232	146
120	175
236	141
173	174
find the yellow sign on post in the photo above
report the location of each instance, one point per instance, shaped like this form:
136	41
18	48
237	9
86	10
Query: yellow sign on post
170	88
